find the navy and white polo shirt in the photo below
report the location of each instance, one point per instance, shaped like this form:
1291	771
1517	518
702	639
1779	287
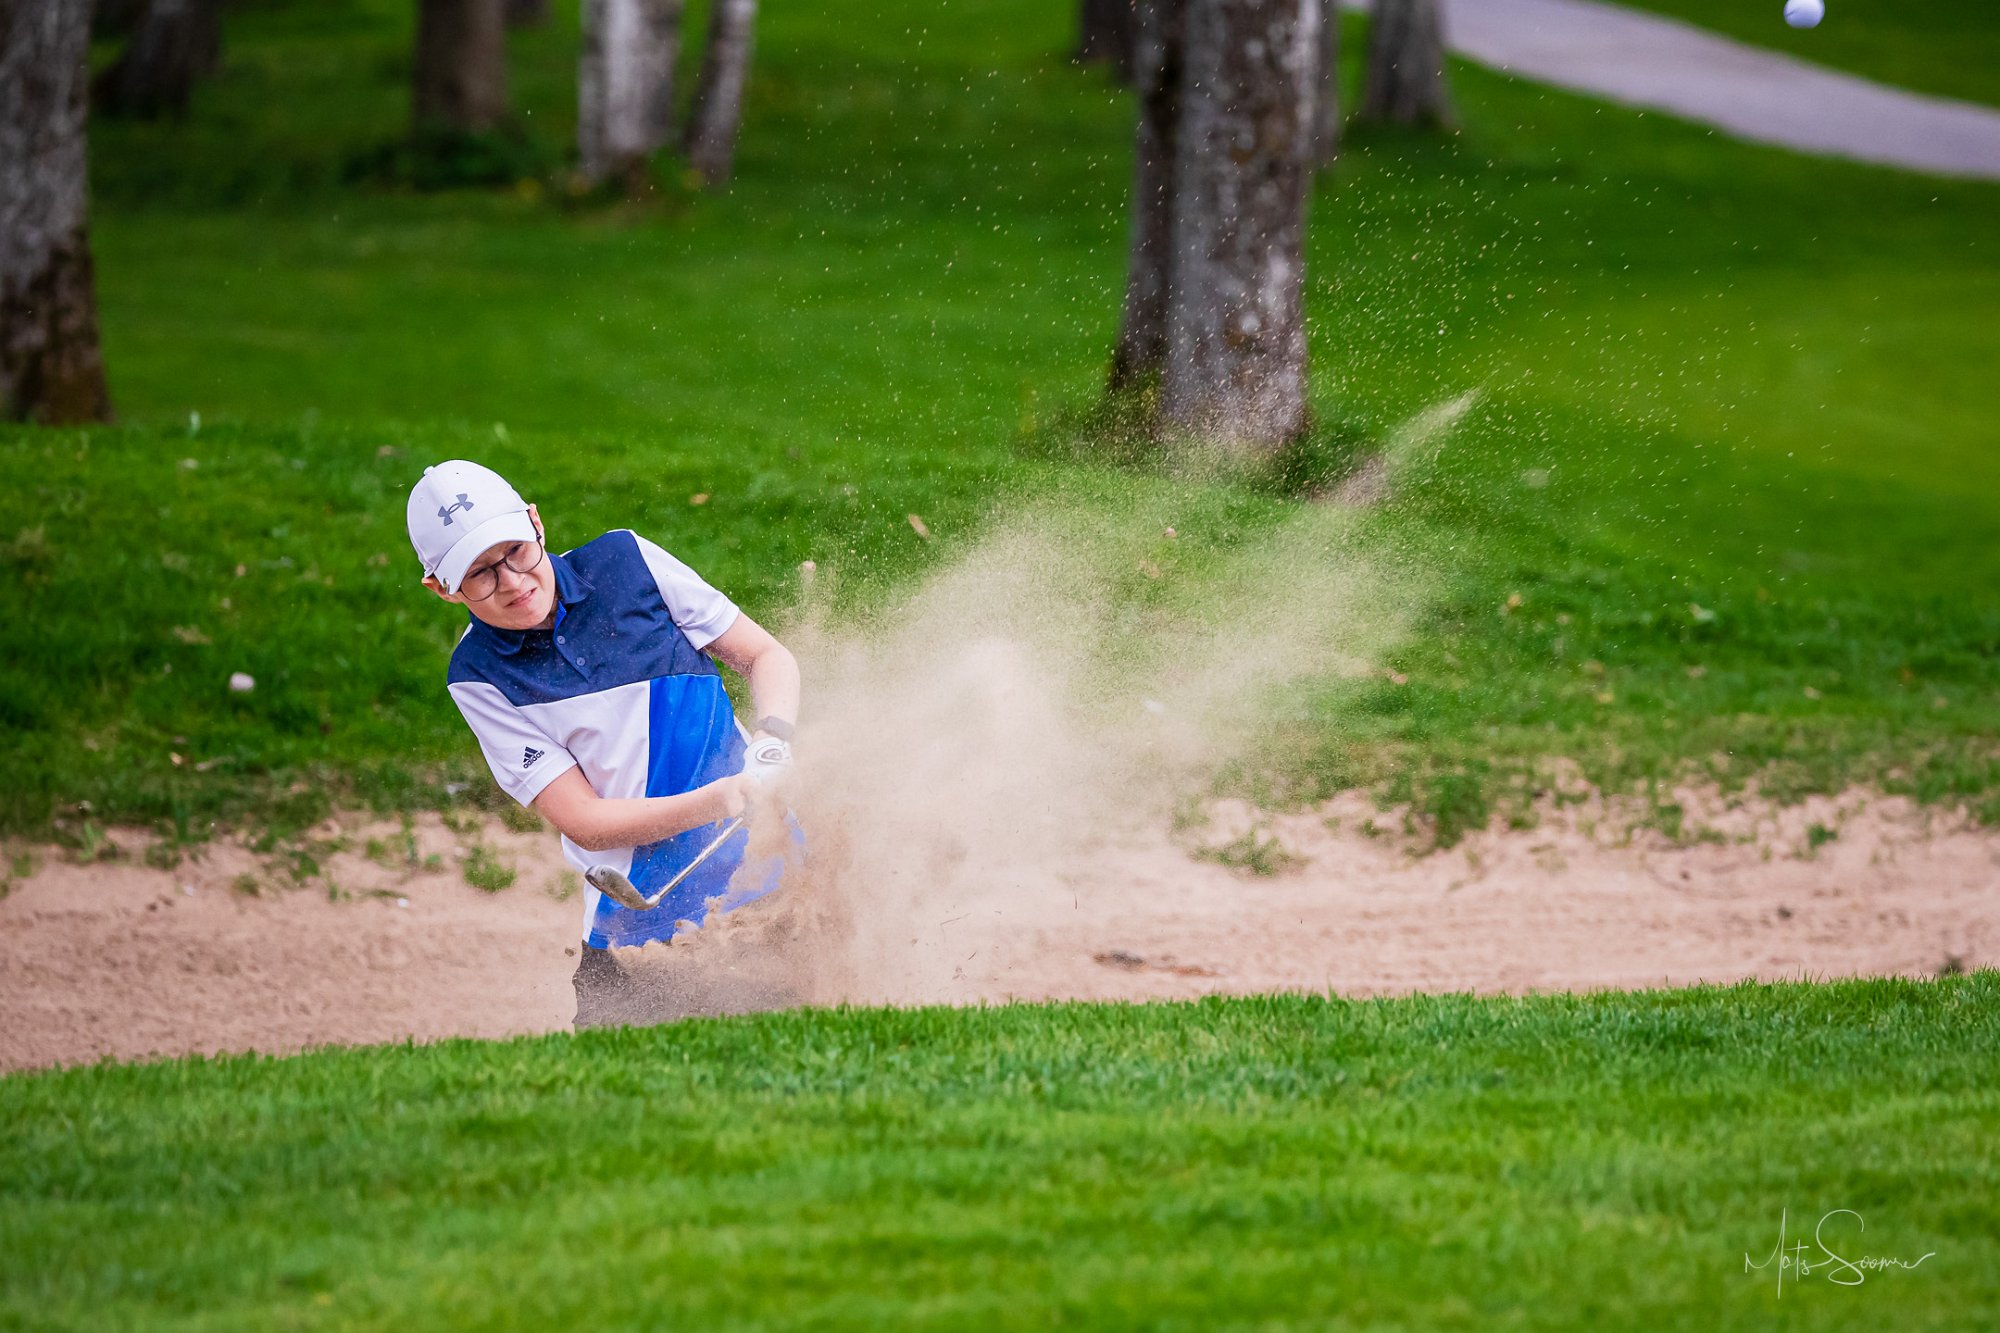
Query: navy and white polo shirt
621	689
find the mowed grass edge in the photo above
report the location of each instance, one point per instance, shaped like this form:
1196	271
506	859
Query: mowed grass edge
1555	1161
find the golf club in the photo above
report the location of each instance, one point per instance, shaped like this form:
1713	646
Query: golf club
612	883
766	761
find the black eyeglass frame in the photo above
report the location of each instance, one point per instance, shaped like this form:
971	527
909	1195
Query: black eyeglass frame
541	554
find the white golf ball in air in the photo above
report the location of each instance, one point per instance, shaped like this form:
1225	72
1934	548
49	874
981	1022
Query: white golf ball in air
1804	13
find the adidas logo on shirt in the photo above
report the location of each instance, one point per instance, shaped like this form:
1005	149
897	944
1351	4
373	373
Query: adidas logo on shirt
529	756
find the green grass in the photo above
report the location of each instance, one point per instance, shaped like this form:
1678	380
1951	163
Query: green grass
1725	504
1439	1162
1710	376
1950	48
485	870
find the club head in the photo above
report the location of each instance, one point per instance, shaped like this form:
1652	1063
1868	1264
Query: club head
611	882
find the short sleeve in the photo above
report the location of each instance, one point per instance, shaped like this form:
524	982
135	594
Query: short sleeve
702	613
523	758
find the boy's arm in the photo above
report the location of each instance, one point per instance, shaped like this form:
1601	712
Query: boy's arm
748	649
596	823
535	770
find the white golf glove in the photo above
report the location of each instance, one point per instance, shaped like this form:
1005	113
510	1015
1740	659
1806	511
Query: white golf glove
768	762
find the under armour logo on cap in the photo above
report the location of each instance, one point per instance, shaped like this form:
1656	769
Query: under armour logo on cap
529	755
445	511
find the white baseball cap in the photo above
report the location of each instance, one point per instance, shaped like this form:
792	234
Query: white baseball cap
460	509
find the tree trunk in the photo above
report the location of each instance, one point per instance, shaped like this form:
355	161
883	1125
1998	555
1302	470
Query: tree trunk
1236	342
624	86
175	45
527	13
1326	103
1106	31
718	96
1406	76
50	367
460	80
1157	60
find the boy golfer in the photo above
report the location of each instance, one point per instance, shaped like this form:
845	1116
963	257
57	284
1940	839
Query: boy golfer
589	679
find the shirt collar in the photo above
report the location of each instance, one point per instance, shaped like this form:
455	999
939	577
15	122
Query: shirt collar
571	587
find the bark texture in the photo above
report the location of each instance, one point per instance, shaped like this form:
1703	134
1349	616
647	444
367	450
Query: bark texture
1406	73
460	79
50	367
625	87
1107	31
1236	345
174	45
1158	57
1326	104
718	95
527	13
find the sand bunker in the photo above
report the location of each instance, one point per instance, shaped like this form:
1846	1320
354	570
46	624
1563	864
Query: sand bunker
987	773
126	961
987	777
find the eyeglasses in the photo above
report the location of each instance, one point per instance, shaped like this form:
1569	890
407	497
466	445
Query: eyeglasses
522	557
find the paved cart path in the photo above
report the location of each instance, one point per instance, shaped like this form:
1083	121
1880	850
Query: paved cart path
1765	96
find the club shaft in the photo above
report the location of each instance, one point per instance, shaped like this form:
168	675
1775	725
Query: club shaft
688	869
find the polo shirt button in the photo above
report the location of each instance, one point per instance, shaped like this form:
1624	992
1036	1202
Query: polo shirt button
561	639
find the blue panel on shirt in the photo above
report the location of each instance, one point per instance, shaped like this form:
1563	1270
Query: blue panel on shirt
692	740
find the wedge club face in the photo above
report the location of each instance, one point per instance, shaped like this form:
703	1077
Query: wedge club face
610	882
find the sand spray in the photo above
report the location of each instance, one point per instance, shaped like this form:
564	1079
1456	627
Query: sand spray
1059	682
1091	657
